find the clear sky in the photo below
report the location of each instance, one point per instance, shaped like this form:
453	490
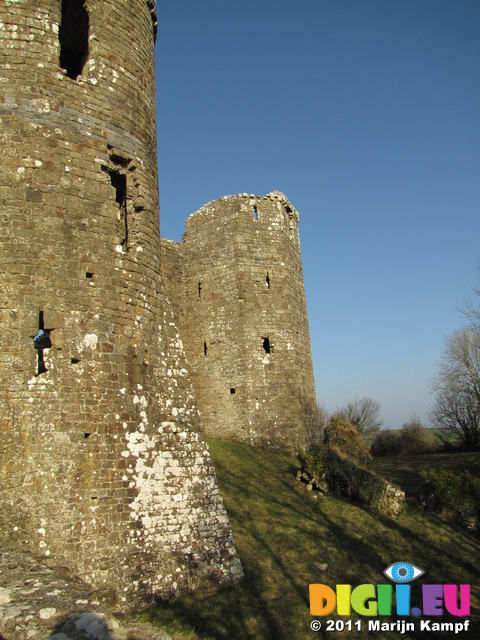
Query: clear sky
366	114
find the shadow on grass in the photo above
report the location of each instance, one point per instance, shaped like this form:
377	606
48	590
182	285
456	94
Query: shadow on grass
287	540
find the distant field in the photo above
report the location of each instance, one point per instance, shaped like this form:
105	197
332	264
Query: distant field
288	538
369	437
405	470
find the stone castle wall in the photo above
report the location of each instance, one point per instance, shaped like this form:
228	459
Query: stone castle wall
104	466
237	284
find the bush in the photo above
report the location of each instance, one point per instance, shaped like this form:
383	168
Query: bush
343	437
386	443
417	439
456	495
413	439
346	479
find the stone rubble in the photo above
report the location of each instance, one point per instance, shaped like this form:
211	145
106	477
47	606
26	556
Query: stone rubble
42	603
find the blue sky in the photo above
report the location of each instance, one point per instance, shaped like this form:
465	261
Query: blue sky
366	114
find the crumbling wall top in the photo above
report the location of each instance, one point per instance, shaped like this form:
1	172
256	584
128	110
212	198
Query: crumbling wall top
273	195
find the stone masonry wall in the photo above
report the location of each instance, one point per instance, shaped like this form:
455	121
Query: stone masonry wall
243	319
104	467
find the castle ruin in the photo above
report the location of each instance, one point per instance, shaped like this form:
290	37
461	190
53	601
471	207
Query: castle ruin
236	282
104	464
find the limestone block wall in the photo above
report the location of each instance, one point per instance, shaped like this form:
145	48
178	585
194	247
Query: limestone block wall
243	319
104	467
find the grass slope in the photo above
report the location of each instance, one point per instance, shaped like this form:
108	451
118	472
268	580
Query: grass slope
288	538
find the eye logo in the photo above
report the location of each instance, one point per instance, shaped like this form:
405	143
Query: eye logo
403	572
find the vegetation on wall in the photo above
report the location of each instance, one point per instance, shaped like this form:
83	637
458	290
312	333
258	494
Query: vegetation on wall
340	465
344	477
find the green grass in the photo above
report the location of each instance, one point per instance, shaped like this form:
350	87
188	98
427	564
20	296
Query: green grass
404	471
286	535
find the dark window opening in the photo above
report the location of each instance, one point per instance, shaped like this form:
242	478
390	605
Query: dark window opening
89	274
232	391
288	209
199	289
119	183
266	345
74	360
205	348
86	435
255	214
40	342
267	280
73	37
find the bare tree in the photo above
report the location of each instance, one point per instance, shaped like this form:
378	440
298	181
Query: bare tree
364	413
416	438
457	387
471	307
317	428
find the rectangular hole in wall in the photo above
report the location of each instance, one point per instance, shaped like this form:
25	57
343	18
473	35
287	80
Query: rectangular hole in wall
73	37
266	344
255	214
119	183
267	280
232	391
41	341
205	348
88	275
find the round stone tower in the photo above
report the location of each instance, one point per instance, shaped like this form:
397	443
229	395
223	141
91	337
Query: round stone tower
104	467
244	320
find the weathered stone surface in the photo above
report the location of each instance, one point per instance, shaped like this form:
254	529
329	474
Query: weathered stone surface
95	626
104	465
40	603
236	285
392	500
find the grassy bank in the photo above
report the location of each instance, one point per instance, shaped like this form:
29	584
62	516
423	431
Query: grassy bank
288	538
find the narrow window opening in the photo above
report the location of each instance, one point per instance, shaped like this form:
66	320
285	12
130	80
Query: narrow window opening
266	345
255	214
89	275
199	289
119	183
40	342
267	280
288	209
86	435
205	348
73	37
74	360
232	391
